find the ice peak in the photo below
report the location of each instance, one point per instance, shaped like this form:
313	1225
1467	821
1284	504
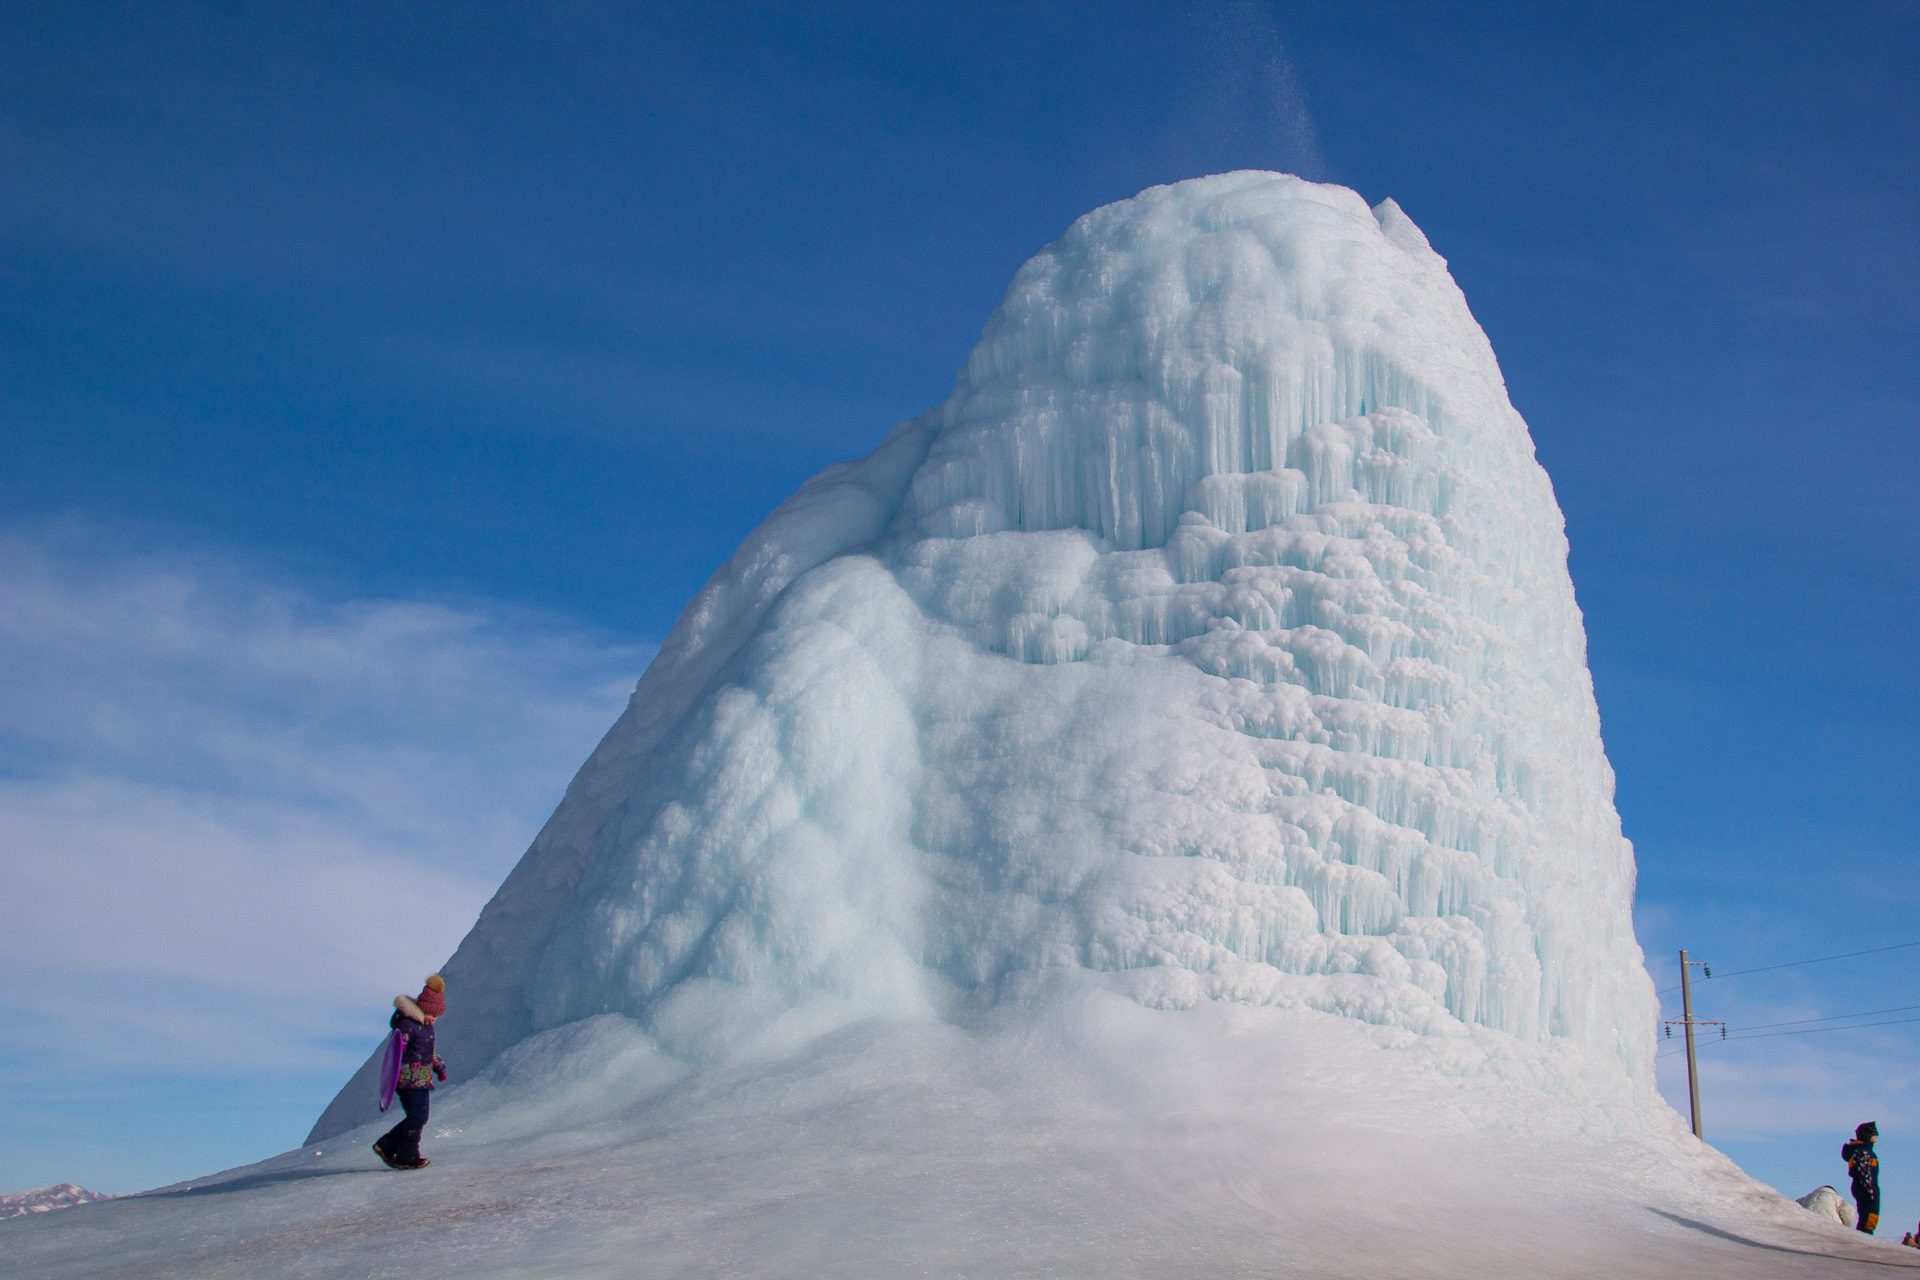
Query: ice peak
1200	329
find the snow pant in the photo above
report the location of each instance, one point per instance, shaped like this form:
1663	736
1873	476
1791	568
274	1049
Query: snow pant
403	1140
1867	1201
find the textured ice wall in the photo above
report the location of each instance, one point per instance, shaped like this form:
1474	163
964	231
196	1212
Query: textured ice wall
1215	636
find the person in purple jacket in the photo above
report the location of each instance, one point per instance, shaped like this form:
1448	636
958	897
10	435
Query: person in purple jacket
419	1065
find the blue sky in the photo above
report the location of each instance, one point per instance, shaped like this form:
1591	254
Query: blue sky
377	382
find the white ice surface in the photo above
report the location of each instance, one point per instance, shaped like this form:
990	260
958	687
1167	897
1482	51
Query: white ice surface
1149	817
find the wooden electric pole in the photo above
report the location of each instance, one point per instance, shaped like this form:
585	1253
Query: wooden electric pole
1687	1021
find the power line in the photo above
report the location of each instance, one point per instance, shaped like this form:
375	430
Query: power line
1737	1033
1766	968
1808	1031
1838	1017
1891	1022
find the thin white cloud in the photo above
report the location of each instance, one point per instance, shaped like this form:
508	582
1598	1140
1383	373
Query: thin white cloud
1767	1091
218	792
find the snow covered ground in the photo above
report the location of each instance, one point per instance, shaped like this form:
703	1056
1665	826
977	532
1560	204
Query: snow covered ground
1148	818
1087	1137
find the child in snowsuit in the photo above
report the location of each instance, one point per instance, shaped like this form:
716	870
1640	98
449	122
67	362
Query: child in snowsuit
419	1064
1864	1166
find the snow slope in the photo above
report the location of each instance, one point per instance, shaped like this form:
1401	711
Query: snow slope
1149	817
1084	1137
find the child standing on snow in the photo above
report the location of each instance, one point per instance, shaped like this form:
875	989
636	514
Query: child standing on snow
1864	1165
413	1022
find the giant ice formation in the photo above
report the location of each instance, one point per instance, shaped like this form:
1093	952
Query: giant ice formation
1213	641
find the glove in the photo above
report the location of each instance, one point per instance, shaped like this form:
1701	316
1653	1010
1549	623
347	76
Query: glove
440	1074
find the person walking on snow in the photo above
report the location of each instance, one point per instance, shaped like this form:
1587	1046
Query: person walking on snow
1864	1165
413	1021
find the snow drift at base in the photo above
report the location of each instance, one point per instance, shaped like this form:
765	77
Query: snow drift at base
1149	817
1088	1136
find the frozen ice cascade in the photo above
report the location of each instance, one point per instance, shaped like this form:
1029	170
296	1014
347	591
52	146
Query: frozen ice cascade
1212	642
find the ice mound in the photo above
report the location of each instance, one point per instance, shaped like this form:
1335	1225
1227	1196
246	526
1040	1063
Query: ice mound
1826	1202
1212	642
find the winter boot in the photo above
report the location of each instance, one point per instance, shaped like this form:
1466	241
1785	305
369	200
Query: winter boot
386	1156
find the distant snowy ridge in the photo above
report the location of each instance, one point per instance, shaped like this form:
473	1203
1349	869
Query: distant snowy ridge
1212	642
46	1199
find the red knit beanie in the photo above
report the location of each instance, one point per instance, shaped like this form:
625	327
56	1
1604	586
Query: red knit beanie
431	1001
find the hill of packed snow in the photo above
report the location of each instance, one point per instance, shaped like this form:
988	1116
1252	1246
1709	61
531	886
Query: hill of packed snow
1149	817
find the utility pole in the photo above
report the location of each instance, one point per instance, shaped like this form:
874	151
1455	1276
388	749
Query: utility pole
1687	1020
